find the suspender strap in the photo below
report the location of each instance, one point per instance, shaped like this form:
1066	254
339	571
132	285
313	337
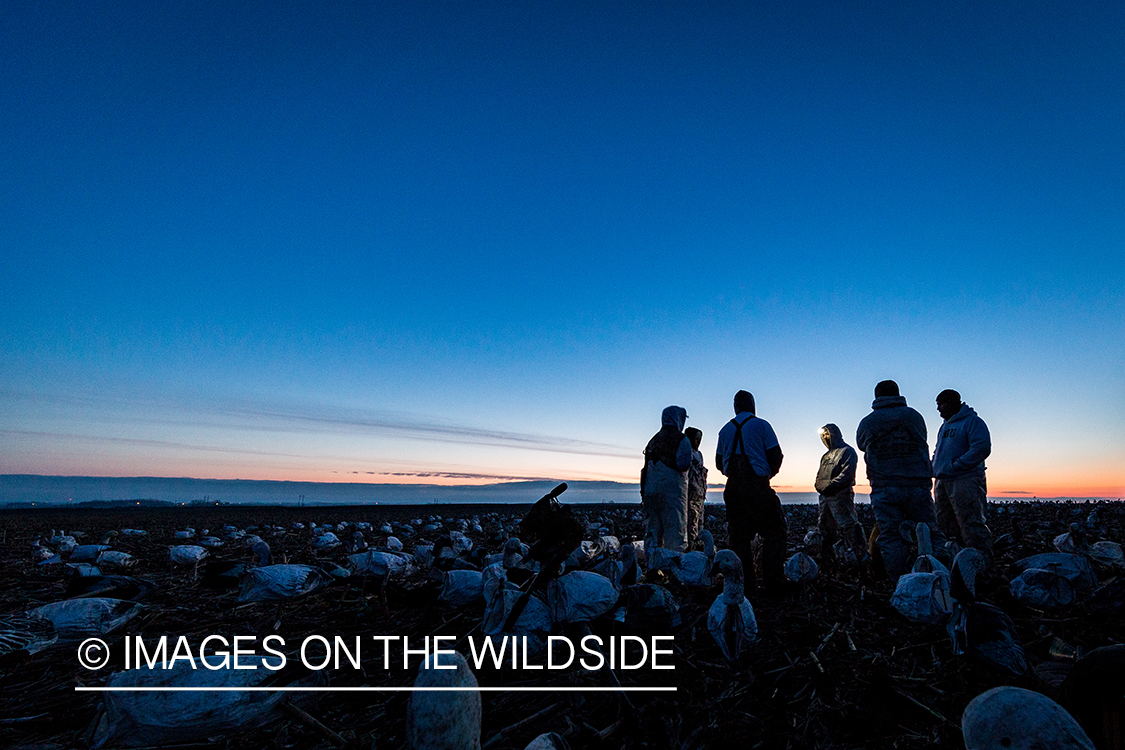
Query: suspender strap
739	448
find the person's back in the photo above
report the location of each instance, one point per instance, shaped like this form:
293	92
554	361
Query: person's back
748	454
893	440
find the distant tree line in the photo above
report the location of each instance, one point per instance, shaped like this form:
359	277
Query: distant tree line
135	503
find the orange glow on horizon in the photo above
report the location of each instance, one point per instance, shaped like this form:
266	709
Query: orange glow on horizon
1045	490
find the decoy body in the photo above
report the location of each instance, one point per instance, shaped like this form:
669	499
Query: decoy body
976	628
443	720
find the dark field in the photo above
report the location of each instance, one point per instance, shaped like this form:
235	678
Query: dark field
836	666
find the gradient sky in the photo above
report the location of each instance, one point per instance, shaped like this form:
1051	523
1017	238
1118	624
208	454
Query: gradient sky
473	241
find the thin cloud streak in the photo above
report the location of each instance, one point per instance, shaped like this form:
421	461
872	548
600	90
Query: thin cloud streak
327	420
150	443
460	475
420	429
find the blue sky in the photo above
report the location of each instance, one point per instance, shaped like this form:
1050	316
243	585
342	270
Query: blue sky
455	241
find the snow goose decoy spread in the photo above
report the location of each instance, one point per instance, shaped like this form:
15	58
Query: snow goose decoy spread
731	618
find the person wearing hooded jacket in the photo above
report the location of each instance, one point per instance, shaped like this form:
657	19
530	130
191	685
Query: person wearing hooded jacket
749	455
697	486
834	482
893	440
960	493
664	483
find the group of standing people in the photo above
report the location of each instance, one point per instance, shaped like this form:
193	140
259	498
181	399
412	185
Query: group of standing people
900	471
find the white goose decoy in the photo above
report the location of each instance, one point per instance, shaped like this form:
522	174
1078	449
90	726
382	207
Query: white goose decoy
40	551
694	568
327	540
261	550
580	596
281	582
801	568
444	720
1073	541
186	554
731	618
111	559
1012	718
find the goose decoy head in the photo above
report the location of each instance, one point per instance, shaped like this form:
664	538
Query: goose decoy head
967	574
727	563
261	550
708	543
922	534
628	554
512	552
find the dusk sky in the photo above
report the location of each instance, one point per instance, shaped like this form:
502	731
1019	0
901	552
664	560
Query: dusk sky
466	242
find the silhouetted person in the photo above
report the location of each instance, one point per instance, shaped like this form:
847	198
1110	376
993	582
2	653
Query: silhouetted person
893	440
748	454
696	487
664	483
960	494
834	482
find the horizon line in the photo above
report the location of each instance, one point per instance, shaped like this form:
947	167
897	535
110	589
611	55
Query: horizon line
861	489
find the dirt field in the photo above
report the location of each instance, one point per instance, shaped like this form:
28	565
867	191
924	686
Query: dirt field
836	665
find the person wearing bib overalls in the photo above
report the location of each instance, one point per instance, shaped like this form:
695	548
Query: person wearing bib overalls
749	455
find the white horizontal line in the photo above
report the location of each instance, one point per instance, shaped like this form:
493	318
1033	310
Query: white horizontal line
374	689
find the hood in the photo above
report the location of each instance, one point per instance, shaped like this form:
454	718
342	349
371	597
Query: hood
965	412
676	416
831	436
884	402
